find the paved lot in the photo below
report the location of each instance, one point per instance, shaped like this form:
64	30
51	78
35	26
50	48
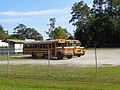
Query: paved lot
104	58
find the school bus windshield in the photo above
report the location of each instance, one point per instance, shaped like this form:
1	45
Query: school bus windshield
61	44
74	44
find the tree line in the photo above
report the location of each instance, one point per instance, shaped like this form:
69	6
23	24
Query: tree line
98	25
22	32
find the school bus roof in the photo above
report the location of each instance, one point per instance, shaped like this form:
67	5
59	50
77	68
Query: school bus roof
72	41
46	42
34	42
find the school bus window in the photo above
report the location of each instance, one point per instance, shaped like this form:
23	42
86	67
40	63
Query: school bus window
45	45
25	46
32	46
74	44
28	46
35	46
78	44
41	46
49	45
53	44
61	44
38	46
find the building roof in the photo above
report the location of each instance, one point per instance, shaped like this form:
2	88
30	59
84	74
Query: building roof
14	41
3	44
26	42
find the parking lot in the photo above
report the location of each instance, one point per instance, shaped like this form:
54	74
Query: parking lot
105	57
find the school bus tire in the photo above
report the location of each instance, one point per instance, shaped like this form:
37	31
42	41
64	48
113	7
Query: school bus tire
78	55
34	55
83	54
69	56
60	55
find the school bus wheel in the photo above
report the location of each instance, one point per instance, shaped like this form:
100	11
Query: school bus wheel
34	55
83	54
69	56
78	55
60	55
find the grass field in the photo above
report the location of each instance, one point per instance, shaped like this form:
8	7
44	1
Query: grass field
27	77
17	57
38	77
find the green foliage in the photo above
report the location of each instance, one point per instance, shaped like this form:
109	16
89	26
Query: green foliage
16	37
31	33
22	32
3	34
60	33
100	25
81	15
51	29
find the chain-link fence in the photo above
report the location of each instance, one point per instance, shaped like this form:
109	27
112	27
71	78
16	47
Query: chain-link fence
100	63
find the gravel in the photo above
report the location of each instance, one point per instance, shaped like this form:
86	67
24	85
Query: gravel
104	58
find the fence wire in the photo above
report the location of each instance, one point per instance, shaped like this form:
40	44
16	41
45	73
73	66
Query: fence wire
14	63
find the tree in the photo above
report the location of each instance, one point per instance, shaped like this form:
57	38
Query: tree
51	29
22	32
106	22
17	37
60	33
3	34
80	19
99	24
20	29
31	33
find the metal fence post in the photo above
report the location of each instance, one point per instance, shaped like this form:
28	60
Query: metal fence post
96	61
48	60
8	62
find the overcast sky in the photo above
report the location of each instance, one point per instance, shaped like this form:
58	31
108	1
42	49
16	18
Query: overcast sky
36	14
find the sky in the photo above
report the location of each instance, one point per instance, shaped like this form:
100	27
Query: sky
36	14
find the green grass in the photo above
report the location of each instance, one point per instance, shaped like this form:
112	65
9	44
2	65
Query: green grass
28	77
16	57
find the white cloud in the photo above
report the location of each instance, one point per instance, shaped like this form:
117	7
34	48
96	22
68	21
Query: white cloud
43	12
12	20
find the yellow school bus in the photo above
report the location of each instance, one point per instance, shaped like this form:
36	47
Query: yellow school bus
76	45
50	48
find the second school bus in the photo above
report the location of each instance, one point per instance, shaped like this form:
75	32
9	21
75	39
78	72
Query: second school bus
78	50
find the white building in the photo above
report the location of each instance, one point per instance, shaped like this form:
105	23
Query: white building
3	44
16	46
